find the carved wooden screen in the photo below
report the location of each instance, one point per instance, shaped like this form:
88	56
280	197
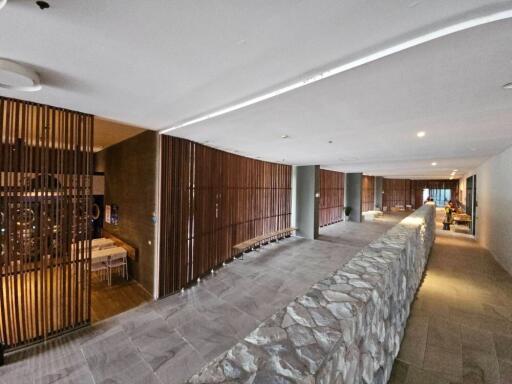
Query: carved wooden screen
45	166
331	197
368	194
210	201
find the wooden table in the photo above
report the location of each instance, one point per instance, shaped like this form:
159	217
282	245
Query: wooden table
108	252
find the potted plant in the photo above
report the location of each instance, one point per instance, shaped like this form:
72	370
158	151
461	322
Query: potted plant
347	213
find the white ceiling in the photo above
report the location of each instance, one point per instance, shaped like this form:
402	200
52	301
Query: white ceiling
157	63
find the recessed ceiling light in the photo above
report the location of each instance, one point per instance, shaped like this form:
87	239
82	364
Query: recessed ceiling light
284	136
421	134
434	164
455	170
508	86
16	77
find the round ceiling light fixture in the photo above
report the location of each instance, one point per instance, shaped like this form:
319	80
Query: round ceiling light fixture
506	86
434	164
16	77
421	134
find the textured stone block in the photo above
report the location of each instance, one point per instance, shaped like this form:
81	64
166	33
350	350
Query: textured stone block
347	328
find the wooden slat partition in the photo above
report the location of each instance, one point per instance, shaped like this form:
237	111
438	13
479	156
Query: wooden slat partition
417	187
397	193
402	192
332	194
210	201
368	194
45	206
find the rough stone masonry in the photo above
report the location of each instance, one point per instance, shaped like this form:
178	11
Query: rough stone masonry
347	328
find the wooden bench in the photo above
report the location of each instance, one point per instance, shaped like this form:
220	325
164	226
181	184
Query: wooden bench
239	249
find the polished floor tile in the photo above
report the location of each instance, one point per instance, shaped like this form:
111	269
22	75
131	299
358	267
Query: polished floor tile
460	327
169	340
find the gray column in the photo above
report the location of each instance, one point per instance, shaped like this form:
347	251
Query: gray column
306	200
378	192
353	191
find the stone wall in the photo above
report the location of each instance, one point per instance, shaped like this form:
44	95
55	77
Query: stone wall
347	328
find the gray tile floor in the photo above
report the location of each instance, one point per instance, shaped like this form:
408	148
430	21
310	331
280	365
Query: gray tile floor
460	327
169	340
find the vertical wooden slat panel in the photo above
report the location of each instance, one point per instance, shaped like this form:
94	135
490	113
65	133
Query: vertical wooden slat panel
210	201
402	192
368	193
331	197
45	231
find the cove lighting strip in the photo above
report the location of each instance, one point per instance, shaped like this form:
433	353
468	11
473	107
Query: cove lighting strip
462	26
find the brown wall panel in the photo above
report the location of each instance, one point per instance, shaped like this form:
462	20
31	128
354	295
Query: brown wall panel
397	193
402	192
45	207
368	193
210	201
130	173
331	197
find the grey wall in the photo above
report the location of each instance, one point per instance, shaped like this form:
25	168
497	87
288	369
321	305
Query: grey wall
305	203
378	192
130	182
353	190
493	214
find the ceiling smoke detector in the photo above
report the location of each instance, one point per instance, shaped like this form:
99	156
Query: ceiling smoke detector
17	77
43	5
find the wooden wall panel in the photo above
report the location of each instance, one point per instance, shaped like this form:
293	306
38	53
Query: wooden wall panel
402	192
397	193
210	201
332	196
368	193
45	207
419	185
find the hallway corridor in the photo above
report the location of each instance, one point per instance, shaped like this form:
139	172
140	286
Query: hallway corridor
460	327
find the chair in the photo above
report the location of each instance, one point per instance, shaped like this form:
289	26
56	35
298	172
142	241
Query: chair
118	261
101	264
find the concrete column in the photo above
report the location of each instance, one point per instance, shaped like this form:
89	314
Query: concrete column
353	194
378	192
306	200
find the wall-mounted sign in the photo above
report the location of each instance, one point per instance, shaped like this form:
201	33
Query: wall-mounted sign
107	213
114	214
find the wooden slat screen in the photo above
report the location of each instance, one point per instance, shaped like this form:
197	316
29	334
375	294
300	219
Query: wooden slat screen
210	201
368	193
331	197
401	192
45	206
417	187
397	193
